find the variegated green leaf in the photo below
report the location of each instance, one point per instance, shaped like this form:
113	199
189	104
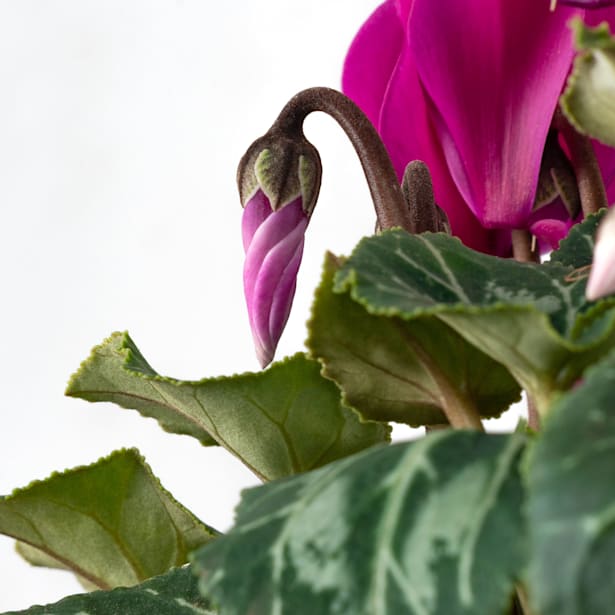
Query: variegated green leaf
111	522
174	593
571	506
422	528
534	319
576	250
281	421
392	369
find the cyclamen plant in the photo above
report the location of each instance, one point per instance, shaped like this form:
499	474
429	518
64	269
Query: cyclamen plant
427	323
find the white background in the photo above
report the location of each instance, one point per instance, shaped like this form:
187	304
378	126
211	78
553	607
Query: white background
121	125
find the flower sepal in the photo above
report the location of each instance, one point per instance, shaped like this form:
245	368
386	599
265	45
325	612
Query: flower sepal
284	167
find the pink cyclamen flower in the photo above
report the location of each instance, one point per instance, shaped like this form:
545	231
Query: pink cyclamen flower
279	180
470	88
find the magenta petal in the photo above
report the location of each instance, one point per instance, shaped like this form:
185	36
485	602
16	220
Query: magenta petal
587	4
371	59
594	18
273	228
550	224
493	72
284	293
256	211
403	10
550	232
273	255
406	130
272	287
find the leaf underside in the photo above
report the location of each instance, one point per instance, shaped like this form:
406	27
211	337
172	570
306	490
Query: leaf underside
589	98
111	522
282	421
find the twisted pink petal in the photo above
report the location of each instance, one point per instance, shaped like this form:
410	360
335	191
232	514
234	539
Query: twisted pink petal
273	243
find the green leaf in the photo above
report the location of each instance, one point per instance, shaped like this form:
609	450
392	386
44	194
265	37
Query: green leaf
111	373
174	593
397	370
534	319
111	522
281	421
427	527
589	98
571	507
576	250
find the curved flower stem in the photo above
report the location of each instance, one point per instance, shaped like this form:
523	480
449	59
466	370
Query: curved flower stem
533	416
524	252
384	186
586	168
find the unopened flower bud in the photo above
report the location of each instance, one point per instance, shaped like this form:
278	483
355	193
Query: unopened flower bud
279	180
283	168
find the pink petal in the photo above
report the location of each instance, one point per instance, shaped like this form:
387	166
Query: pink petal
587	4
371	58
284	294
593	18
550	224
493	72
268	289
403	10
272	229
549	233
256	211
407	131
273	255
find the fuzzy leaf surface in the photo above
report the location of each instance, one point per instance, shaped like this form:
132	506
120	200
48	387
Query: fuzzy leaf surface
576	250
174	593
534	319
111	522
392	369
408	528
281	421
571	501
